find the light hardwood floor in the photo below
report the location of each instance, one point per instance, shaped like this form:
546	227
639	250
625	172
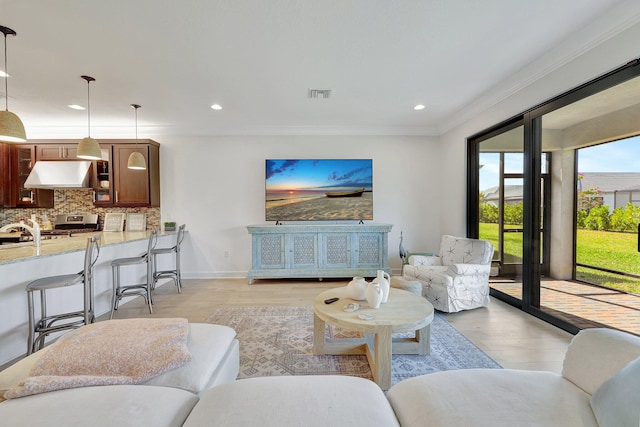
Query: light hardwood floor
512	338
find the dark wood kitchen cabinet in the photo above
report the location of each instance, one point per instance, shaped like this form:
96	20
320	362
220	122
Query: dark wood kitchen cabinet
56	151
114	184
22	159
128	187
136	187
101	179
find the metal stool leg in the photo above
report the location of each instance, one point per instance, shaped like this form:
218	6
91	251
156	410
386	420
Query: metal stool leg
38	344
149	282
32	322
178	276
116	288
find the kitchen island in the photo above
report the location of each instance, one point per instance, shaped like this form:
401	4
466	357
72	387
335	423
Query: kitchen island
21	263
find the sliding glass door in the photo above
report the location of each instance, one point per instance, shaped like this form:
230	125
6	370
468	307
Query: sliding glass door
535	191
597	208
500	173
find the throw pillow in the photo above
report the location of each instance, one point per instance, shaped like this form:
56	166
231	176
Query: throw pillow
616	403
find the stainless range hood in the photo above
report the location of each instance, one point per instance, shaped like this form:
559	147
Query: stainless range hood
62	174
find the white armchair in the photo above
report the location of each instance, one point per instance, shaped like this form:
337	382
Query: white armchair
458	277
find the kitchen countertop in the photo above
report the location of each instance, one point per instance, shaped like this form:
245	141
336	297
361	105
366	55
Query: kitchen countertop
17	252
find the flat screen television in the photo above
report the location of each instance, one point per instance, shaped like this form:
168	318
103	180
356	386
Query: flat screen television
318	189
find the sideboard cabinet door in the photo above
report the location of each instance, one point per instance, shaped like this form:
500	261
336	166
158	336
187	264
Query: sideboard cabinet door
369	251
302	250
337	250
268	251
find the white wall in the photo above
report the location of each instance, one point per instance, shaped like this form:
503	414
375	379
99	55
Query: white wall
600	59
216	186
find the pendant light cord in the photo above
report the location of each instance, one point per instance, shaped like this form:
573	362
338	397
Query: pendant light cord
88	79
135	107
88	110
6	77
6	31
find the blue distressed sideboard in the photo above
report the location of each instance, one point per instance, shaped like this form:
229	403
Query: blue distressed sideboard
318	250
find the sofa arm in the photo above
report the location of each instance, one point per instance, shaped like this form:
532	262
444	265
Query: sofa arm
597	354
423	261
469	269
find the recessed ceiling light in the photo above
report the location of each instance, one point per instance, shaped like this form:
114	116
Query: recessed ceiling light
76	107
3	74
419	107
216	107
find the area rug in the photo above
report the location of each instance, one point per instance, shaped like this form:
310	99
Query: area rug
279	341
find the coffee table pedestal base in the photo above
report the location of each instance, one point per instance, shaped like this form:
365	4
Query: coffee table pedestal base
378	347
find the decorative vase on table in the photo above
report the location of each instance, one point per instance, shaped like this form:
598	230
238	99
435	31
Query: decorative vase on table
374	295
356	289
384	280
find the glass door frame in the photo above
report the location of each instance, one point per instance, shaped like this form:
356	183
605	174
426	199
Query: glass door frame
532	188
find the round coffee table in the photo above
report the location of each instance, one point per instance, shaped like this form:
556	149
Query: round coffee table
404	311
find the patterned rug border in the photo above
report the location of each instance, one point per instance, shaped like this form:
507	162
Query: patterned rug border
278	340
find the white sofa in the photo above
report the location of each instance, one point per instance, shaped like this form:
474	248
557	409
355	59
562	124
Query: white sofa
458	277
215	360
599	386
591	391
309	401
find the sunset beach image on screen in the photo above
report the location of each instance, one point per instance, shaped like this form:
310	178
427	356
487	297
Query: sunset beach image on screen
318	189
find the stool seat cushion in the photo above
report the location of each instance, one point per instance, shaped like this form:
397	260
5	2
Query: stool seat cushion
324	400
162	251
129	261
53	282
118	405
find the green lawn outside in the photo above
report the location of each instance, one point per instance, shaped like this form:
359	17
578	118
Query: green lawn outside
605	249
512	242
612	250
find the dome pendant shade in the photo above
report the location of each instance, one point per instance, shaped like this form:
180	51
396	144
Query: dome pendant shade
89	149
136	161
11	128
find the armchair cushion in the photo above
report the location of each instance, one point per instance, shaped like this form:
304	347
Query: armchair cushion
457	279
459	250
421	260
469	269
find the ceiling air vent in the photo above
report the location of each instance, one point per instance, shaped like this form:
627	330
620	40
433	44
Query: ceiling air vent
319	93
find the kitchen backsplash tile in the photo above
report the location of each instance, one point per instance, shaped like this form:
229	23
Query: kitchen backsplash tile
73	201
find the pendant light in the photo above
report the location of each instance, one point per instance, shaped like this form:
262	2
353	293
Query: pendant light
11	127
89	148
136	159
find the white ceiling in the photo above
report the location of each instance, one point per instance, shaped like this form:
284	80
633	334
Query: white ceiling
258	58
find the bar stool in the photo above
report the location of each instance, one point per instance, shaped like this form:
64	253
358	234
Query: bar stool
48	324
142	289
172	274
